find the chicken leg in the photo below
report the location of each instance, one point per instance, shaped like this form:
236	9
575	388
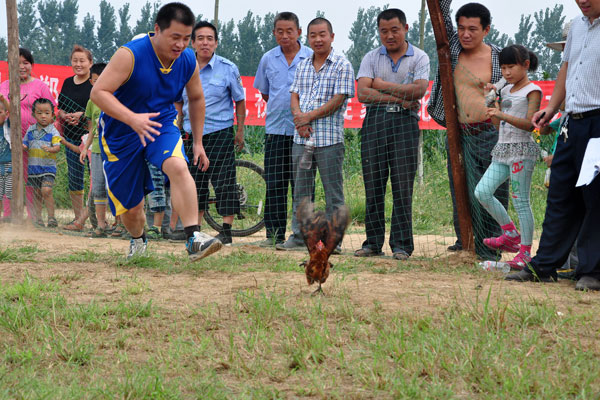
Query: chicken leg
318	291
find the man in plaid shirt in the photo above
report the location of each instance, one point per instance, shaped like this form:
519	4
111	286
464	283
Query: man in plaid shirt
322	86
474	63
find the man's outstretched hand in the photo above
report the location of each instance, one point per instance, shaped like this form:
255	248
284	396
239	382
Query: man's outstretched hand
143	125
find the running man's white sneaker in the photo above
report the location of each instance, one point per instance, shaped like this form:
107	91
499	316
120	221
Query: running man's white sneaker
137	247
201	245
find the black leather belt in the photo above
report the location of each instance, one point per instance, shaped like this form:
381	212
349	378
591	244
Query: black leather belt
395	108
586	114
390	108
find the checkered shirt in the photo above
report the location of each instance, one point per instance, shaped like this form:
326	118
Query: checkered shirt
436	101
315	88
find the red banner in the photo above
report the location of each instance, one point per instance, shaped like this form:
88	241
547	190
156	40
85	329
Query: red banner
54	76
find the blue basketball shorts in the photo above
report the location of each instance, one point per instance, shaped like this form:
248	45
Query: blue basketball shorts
128	178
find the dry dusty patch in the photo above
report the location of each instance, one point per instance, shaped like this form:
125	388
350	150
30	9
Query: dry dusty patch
416	290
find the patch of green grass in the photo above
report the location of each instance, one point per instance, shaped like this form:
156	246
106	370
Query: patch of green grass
19	254
135	287
29	289
276	344
81	256
66	278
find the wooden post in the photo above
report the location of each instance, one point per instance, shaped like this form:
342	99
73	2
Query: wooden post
422	46
452	129
216	18
16	203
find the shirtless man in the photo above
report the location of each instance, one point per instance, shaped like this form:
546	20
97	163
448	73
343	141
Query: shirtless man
474	63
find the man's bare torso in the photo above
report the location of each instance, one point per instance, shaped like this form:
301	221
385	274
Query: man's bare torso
471	73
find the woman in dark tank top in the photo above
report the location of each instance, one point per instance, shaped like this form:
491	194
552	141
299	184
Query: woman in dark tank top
72	101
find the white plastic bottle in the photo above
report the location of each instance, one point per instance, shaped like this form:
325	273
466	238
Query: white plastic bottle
495	266
307	155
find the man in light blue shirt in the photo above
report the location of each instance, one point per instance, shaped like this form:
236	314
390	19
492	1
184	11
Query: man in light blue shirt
222	86
273	79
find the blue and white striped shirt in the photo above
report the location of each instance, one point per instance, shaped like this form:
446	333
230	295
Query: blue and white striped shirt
315	88
582	52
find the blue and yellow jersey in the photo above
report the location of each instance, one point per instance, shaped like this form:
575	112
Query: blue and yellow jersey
151	87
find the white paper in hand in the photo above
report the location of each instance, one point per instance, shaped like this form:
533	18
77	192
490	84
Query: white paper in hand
590	167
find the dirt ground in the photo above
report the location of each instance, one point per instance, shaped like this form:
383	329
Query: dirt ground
414	290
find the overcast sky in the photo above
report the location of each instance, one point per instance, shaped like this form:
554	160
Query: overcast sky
505	13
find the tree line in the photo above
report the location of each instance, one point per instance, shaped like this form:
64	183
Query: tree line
49	28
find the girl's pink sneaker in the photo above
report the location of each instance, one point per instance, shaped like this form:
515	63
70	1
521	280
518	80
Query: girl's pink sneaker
504	243
520	260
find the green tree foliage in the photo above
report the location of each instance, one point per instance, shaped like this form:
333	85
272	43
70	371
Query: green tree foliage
3	49
363	35
29	31
69	31
87	36
51	50
267	39
145	23
107	32
523	35
249	49
497	38
49	29
228	41
125	33
548	28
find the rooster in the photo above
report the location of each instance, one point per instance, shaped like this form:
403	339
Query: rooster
321	236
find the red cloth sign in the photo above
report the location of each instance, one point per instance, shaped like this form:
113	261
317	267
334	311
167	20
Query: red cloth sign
54	76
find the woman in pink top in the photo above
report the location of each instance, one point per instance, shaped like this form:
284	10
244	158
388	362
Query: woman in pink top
31	90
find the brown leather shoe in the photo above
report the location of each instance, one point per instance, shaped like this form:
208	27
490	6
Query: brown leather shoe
587	282
367	252
526	276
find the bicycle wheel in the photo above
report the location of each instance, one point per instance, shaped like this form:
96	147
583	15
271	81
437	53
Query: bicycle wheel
251	187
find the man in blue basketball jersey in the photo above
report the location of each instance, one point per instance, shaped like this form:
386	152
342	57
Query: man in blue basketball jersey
136	92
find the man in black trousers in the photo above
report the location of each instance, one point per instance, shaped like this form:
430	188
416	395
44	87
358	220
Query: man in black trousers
391	80
573	212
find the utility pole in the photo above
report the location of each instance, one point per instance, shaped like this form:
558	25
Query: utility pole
422	46
12	24
216	18
452	129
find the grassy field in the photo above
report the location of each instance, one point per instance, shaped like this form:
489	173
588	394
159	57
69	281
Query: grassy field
77	321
